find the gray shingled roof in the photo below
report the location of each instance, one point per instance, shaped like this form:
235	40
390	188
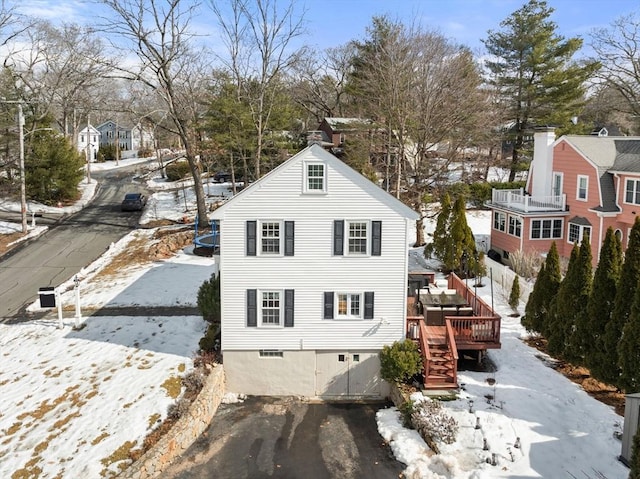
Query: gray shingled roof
609	154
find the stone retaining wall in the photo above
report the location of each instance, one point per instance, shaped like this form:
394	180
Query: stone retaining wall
183	433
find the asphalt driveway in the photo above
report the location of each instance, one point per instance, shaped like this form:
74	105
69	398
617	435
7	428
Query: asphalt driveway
267	437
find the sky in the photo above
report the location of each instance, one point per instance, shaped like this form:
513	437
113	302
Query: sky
332	23
65	412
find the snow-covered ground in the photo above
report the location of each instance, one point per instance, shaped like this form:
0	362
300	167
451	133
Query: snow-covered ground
73	400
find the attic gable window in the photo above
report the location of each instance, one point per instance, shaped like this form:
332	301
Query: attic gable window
315	178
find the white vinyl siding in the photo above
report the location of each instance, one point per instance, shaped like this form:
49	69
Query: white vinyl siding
314	269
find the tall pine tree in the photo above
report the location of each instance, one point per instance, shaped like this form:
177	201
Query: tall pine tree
580	339
532	69
600	306
560	319
625	294
629	349
544	290
439	244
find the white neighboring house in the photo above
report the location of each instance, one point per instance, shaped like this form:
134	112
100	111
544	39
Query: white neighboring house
129	140
93	138
313	263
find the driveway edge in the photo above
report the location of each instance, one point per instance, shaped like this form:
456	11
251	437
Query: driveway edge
183	433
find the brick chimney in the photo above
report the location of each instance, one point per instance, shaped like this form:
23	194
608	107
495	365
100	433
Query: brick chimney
540	180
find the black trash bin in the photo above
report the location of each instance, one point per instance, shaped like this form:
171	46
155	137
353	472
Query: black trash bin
47	296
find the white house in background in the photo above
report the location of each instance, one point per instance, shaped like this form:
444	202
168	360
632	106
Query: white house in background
129	140
90	135
313	263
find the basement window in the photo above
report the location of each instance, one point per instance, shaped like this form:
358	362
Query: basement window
271	353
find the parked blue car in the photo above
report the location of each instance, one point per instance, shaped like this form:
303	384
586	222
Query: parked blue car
133	202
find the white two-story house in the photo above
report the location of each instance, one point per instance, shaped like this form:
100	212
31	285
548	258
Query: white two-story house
313	263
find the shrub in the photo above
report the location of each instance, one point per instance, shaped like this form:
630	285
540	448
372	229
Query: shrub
178	409
635	457
433	423
193	382
107	152
406	409
525	264
145	152
400	361
514	297
177	170
209	342
209	299
479	194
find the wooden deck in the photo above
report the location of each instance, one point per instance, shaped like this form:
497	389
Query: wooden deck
440	341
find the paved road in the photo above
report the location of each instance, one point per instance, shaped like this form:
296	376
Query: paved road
67	247
267	437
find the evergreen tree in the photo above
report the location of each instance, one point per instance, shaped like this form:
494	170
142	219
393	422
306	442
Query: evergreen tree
635	457
439	246
625	294
533	71
560	319
580	338
465	255
53	169
544	291
629	349
533	316
601	300
514	297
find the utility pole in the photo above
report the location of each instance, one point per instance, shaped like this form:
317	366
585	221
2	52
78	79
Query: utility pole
23	183
88	152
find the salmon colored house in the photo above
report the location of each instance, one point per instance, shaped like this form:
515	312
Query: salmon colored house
577	186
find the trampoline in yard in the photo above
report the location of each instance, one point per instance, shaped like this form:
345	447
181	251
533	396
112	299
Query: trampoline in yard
207	240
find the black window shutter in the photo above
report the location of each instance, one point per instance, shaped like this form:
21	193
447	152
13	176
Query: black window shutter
376	238
368	305
288	308
251	238
328	305
289	234
252	308
338	237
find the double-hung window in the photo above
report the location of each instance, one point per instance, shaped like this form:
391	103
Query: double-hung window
515	226
270	237
270	308
499	221
583	184
315	178
632	192
546	229
349	305
357	239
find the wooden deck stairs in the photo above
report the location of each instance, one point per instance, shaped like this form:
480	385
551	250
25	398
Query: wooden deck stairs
441	365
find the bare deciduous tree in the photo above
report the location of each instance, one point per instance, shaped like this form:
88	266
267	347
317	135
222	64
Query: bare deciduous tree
618	50
158	31
259	38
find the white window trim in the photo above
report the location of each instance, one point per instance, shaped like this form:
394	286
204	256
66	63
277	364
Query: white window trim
367	239
557	174
348	316
636	182
516	217
546	219
580	232
305	187
259	250
504	215
586	188
260	323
